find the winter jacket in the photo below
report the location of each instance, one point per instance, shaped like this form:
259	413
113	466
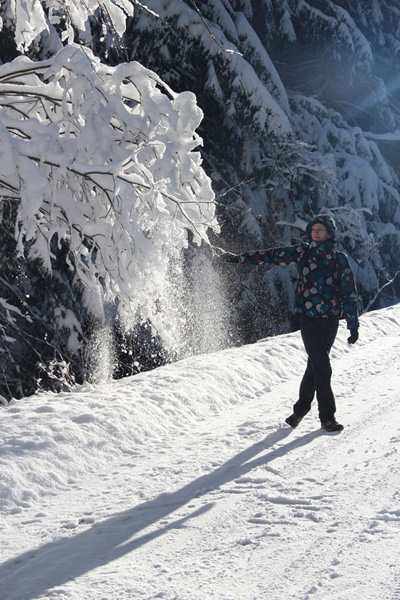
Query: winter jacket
325	286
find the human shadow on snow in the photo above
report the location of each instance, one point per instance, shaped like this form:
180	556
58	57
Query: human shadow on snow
53	564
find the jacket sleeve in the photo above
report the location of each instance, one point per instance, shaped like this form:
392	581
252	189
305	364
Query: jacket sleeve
290	255
347	292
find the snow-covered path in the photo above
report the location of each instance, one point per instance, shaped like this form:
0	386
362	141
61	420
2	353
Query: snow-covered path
185	484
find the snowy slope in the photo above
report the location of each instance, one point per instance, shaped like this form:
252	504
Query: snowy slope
184	483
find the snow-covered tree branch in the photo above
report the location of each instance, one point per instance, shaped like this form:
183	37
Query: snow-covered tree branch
102	158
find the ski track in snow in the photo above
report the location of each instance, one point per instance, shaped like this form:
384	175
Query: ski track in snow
230	505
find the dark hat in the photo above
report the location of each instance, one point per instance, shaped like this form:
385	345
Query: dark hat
326	220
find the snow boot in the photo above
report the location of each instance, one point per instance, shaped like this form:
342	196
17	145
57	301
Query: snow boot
331	425
293	420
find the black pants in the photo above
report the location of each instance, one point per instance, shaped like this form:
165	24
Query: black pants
318	337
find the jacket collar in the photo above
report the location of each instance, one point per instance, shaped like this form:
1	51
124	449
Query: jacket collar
326	247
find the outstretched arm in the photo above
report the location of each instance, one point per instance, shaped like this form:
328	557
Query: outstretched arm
290	255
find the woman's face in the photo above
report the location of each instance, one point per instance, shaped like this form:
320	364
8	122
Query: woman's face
319	233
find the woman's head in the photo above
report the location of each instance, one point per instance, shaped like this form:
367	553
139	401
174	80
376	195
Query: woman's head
321	228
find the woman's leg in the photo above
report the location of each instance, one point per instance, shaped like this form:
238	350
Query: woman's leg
318	336
306	392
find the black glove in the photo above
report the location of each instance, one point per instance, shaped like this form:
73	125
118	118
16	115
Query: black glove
230	258
353	336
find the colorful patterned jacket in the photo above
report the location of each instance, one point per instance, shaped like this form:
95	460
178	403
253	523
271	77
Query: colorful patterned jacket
325	286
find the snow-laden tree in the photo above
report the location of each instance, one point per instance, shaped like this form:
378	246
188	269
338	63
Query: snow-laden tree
301	103
339	62
102	157
100	166
35	27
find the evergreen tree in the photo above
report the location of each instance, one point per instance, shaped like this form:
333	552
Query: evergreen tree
301	104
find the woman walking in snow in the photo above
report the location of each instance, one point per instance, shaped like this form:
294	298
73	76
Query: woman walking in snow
325	292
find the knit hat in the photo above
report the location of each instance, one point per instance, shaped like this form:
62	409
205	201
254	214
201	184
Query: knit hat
325	220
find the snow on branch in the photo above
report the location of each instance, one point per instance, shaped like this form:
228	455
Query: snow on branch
32	19
102	158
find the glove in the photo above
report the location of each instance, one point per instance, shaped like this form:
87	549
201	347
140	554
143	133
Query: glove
230	258
353	336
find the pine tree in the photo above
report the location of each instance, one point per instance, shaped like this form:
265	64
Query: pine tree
300	103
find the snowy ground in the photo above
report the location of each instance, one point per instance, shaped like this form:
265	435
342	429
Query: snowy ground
185	484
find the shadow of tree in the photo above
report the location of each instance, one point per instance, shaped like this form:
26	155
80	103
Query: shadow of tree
37	571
